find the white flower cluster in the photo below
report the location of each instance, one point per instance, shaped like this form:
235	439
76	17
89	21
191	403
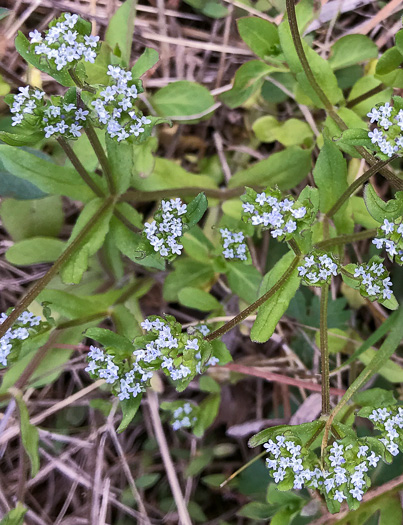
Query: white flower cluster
184	416
374	280
233	245
62	46
166	228
318	269
389	420
19	332
27	102
282	217
391	238
114	106
345	475
56	118
388	136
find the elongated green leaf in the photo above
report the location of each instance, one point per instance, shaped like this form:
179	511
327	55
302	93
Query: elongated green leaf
352	49
284	169
21	139
35	250
15	516
120	155
260	35
132	245
320	68
109	339
389	61
248	79
145	62
196	209
167	174
48	177
292	132
207	414
380	209
273	309
182	98
129	409
32	218
29	433
187	273
382	356
74	269
198	299
244	280
22	45
330	174
197	245
356	137
121	28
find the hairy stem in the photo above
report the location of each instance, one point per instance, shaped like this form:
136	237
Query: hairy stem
370	93
79	167
345	239
101	156
254	306
356	184
64	257
324	350
292	18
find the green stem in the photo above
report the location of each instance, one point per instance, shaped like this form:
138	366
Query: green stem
324	350
79	167
295	247
356	184
243	468
215	193
64	257
254	306
101	156
292	18
370	93
345	239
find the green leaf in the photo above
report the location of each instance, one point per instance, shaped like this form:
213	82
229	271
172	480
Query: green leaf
211	8
15	516
244	280
284	169
121	28
120	156
196	209
273	309
109	339
132	245
399	41
248	80
197	245
221	352
208	410
380	358
32	218
259	35
22	45
143	158
49	177
35	250
374	397
321	68
20	138
356	137
15	188
129	409
187	273
182	98
330	174
74	306
198	299
304	432
352	49
275	496
75	267
292	132
389	61
391	371
167	174
257	511
29	433
145	62
380	209
207	384
360	213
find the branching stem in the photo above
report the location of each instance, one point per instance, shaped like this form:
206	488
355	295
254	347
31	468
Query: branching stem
254	306
345	239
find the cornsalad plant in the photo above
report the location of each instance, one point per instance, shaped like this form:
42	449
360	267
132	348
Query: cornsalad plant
103	119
